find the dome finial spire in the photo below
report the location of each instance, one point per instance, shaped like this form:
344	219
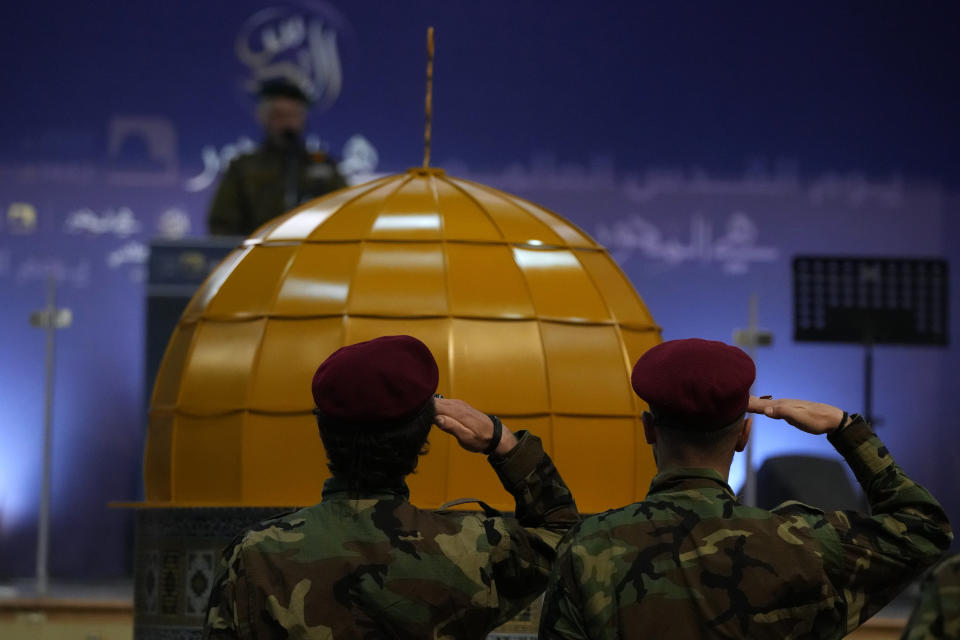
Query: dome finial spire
429	101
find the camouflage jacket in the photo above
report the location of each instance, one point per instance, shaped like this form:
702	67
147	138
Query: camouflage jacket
690	561
937	614
377	567
253	189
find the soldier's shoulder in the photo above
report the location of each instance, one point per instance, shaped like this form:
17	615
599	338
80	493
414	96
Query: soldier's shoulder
644	514
600	523
282	527
790	508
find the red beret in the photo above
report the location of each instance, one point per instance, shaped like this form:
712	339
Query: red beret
701	384
387	379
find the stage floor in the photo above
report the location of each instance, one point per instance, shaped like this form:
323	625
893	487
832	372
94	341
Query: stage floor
69	610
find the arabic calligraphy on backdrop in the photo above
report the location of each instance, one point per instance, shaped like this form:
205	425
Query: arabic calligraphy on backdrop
295	42
134	255
119	222
39	269
734	248
359	161
215	162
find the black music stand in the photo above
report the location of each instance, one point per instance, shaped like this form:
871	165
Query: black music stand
870	301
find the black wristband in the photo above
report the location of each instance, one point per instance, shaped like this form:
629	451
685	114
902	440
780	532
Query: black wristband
497	434
842	421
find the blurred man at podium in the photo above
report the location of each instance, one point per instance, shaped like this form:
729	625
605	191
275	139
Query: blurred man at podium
280	174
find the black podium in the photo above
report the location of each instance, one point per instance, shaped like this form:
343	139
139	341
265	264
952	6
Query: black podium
175	271
870	301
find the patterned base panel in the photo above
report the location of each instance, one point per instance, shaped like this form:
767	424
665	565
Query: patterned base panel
177	551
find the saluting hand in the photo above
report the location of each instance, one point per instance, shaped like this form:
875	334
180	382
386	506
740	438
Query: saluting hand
812	417
472	428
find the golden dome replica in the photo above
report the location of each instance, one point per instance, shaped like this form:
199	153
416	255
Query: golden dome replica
526	315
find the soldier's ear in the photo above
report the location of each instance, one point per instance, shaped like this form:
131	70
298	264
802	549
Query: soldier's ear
649	431
744	436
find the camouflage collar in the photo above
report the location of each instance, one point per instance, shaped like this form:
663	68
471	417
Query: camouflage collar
336	489
689	478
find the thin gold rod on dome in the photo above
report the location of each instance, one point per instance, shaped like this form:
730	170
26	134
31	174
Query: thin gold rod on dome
429	103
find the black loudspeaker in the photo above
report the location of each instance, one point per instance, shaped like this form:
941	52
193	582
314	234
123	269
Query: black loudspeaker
820	482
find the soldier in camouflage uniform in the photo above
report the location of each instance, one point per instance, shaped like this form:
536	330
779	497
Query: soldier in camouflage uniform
280	174
365	562
691	561
937	614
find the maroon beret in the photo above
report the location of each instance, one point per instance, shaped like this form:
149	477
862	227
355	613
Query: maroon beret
700	384
387	379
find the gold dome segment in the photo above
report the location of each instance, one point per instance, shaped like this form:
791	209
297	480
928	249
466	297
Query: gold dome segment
527	316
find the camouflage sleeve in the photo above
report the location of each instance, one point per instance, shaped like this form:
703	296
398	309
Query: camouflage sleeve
525	546
562	615
871	558
226	209
543	501
937	613
224	610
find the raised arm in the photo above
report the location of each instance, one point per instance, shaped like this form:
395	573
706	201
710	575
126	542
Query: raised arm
869	558
523	548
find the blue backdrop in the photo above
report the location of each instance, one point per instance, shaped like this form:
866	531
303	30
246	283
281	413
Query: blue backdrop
704	144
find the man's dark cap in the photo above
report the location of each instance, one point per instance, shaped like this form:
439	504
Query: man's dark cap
384	380
282	88
693	383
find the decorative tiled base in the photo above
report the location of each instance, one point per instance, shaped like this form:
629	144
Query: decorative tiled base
177	552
